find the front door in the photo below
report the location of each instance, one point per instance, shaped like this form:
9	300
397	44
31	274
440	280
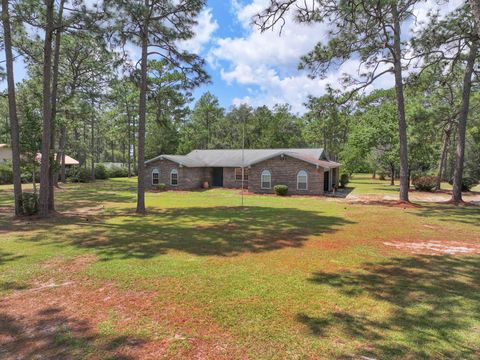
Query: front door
326	181
217	178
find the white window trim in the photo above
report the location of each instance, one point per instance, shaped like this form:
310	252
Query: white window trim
306	182
173	171
156	171
261	180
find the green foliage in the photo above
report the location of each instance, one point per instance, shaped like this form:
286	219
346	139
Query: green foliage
467	183
425	183
101	172
327	121
29	203
344	179
6	173
281	190
82	175
160	187
117	172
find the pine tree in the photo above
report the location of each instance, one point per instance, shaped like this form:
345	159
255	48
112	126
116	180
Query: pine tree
452	42
156	26
12	108
370	31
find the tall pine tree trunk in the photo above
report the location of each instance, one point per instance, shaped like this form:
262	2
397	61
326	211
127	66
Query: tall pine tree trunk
134	143
402	123
12	109
142	118
392	174
129	130
63	141
92	145
443	155
47	111
54	159
462	125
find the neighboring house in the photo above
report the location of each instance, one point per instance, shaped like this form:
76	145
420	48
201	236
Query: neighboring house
304	171
110	165
5	153
69	161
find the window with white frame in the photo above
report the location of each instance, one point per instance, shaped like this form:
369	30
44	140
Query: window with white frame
266	180
302	180
155	176
174	177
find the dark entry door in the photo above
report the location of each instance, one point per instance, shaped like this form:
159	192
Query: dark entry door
326	181
217	177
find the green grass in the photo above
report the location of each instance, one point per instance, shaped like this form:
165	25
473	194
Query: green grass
363	184
281	278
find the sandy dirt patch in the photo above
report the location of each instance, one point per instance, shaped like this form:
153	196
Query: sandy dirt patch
435	247
63	315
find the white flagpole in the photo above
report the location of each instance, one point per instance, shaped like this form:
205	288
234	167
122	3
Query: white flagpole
243	157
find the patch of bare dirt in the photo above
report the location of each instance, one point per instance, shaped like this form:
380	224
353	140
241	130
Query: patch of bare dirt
380	201
436	247
60	316
436	197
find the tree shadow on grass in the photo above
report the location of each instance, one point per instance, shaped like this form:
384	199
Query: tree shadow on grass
49	333
6	257
434	306
203	231
469	215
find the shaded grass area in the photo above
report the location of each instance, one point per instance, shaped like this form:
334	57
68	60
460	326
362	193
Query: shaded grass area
281	278
362	184
433	300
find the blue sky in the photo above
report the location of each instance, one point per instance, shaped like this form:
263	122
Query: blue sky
261	69
249	67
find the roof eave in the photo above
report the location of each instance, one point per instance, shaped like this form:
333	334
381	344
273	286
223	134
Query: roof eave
161	157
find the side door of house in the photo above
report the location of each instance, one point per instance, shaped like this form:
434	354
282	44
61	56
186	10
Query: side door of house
326	181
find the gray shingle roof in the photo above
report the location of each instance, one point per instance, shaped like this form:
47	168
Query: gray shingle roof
233	158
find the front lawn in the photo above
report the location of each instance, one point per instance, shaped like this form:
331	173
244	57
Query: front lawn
202	277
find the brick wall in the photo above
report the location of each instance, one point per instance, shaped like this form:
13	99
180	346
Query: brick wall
229	180
284	172
188	178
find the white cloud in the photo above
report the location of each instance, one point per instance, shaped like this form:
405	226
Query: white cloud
204	30
423	9
269	62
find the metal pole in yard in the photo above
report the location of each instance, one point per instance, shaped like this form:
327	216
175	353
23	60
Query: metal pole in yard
243	156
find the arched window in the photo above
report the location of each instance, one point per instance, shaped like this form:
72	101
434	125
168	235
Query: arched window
302	180
155	176
266	180
174	177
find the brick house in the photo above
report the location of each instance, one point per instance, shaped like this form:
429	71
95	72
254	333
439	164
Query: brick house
304	171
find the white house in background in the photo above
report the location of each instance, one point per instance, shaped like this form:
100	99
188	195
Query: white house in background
5	153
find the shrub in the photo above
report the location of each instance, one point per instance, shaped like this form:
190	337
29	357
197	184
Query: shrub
30	203
117	171
101	172
160	187
425	183
344	180
6	173
382	176
281	190
467	183
82	175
